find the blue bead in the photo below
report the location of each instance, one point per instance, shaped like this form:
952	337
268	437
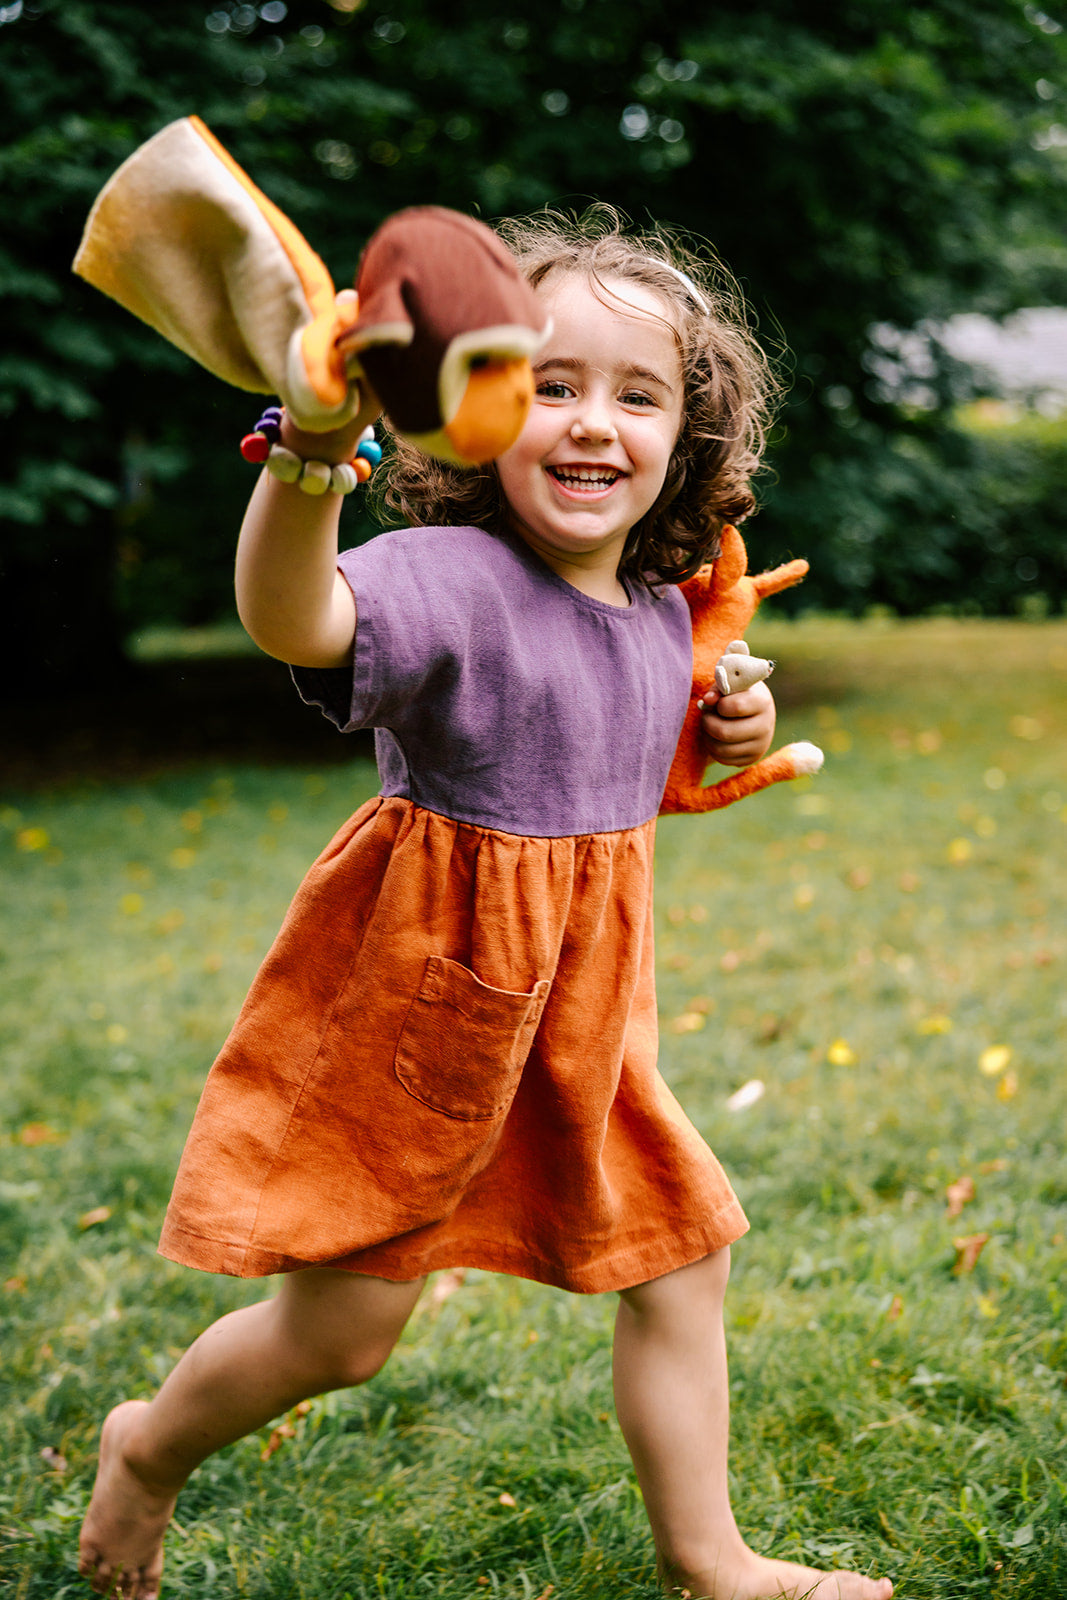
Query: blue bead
371	451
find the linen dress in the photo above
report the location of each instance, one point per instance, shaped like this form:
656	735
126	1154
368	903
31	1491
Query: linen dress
448	1056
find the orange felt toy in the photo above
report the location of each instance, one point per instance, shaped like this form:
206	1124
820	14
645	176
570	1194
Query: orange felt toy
722	601
442	325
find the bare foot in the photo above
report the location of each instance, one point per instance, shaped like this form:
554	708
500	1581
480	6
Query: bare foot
121	1550
755	1577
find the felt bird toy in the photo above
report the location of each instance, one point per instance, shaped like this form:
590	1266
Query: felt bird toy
442	324
722	601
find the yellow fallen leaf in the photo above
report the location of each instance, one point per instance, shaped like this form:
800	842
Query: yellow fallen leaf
803	895
30	839
689	1022
938	1023
994	1059
841	1054
1008	1087
90	1219
131	904
960	850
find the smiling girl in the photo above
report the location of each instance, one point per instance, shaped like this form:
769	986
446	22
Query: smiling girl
449	1056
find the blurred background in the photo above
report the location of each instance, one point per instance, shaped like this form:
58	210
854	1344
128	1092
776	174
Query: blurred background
887	181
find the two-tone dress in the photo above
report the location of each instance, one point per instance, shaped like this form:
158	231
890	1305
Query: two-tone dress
448	1057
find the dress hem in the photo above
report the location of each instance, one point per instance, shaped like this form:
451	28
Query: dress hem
640	1262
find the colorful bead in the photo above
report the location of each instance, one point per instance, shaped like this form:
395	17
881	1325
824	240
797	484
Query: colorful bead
345	477
369	450
315	478
255	447
284	464
362	468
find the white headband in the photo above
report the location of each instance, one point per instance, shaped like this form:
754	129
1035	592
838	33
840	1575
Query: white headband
686	282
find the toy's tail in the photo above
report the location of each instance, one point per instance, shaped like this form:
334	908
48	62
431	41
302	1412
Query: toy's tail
791	761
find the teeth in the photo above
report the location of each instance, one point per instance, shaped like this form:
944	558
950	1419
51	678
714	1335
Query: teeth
603	477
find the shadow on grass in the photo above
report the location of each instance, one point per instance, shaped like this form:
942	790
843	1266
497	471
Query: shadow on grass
164	716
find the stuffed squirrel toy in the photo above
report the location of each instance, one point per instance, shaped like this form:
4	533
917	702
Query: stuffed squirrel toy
722	602
442	326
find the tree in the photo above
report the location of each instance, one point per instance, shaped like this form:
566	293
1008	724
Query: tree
855	165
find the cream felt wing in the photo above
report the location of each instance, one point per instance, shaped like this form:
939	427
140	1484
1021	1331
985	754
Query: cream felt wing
722	601
442	325
181	237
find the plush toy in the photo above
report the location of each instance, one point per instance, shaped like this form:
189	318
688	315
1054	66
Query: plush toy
442	324
722	602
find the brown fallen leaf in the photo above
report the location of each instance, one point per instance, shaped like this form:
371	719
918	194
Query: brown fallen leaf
958	1194
52	1458
284	1430
506	1499
39	1133
896	1309
968	1249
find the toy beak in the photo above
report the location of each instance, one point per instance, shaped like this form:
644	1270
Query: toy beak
492	410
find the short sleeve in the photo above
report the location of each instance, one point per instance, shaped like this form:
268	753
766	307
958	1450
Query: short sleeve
413	630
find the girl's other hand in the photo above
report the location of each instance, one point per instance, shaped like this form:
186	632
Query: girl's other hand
739	727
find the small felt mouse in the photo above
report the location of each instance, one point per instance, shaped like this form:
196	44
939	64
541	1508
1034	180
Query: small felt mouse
441	325
722	601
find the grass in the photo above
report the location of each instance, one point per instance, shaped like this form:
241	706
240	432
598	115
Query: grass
861	945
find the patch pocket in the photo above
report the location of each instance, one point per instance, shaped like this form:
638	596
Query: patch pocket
464	1044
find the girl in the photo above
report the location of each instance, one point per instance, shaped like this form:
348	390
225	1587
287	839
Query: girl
448	1057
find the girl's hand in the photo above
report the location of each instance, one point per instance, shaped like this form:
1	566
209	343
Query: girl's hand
739	727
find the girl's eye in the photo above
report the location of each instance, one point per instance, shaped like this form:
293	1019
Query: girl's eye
637	399
553	389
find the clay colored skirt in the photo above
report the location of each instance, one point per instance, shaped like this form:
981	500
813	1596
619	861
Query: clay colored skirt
448	1058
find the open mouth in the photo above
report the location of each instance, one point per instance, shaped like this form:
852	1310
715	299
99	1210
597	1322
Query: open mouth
585	480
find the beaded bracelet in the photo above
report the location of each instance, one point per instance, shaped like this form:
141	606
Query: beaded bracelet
263	447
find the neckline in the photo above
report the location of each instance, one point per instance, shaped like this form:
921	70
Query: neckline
537	564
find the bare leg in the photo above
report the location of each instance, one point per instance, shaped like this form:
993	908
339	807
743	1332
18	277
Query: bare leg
325	1329
672	1395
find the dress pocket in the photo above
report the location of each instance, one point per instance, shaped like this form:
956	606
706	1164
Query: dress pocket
463	1045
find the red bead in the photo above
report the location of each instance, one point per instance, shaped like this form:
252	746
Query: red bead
255	447
363	468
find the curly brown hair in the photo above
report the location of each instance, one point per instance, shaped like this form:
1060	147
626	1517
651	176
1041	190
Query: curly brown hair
729	391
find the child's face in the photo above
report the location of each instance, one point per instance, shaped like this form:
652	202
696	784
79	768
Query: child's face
594	452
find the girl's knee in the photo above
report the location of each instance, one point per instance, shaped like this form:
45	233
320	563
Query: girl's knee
342	1328
703	1280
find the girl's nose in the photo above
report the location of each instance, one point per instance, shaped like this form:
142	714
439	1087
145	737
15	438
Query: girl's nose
594	422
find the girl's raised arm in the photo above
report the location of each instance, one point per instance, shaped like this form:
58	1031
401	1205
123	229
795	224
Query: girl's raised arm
290	596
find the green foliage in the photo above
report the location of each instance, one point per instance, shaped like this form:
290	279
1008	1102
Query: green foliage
933	516
854	165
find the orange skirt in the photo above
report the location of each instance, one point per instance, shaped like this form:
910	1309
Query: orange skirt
448	1058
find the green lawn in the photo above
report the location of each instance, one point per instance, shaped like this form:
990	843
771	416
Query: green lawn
882	949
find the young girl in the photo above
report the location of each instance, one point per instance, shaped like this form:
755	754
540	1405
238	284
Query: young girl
448	1057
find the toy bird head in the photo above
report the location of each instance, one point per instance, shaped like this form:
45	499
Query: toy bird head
445	332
